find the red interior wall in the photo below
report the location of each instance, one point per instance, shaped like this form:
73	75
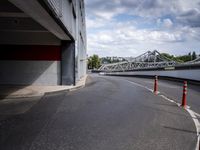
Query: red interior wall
30	52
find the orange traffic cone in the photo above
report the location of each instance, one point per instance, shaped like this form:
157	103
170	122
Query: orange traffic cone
184	94
156	85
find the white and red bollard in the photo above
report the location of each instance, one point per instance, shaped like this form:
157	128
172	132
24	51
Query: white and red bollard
156	85
184	98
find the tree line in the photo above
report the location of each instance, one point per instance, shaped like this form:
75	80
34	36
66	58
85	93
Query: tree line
182	58
95	61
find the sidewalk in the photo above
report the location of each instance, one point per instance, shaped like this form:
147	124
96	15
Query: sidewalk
36	90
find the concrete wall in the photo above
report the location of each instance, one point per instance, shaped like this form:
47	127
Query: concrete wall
68	63
72	15
81	42
192	74
65	12
33	39
18	72
30	64
28	38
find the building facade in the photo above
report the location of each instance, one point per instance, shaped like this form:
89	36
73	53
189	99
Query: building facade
42	42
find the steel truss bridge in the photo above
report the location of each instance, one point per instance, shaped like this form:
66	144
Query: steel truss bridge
148	60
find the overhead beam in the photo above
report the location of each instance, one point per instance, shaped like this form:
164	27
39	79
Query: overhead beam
34	9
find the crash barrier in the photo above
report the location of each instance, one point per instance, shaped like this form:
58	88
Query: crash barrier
187	74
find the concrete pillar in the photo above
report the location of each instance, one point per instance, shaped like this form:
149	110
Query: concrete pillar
68	63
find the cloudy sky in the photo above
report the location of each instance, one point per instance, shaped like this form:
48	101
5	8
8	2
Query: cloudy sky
131	27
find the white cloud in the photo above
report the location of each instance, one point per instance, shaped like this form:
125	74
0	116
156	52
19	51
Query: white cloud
167	23
94	23
169	26
129	40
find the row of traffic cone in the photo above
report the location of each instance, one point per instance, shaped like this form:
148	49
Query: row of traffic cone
184	91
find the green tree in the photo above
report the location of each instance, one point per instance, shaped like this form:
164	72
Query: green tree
93	62
167	55
171	57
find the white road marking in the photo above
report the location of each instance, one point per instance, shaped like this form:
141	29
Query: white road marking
197	124
167	98
191	112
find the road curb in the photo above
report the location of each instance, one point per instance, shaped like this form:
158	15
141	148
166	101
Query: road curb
80	84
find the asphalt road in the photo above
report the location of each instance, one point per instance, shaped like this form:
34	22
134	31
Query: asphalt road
173	90
110	113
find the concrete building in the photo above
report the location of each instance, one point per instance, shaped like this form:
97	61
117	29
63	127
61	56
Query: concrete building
42	42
